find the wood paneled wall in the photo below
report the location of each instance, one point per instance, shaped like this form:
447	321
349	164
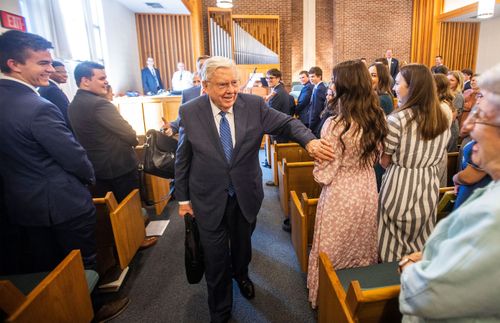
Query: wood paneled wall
166	38
458	44
431	36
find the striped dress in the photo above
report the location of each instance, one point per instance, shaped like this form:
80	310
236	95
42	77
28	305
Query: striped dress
410	187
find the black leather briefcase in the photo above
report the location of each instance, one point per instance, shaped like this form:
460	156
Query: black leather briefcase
195	267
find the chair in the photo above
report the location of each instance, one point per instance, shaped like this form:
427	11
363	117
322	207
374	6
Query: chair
295	177
120	228
376	301
302	218
63	295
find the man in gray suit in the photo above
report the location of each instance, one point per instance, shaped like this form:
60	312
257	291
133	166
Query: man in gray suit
108	139
218	176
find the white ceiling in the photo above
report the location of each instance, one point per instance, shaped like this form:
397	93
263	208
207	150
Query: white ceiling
472	16
169	6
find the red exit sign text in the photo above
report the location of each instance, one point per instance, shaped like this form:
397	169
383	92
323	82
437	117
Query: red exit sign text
12	21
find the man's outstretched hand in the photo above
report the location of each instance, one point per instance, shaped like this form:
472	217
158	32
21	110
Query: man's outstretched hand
320	149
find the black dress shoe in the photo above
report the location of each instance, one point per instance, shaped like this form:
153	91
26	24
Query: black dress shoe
286	225
111	310
266	164
246	288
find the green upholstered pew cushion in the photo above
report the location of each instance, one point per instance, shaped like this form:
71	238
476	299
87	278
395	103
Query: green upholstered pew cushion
369	277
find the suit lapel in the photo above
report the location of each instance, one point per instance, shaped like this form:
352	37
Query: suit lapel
240	125
206	118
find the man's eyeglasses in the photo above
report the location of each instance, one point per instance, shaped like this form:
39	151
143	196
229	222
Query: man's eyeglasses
270	77
475	118
224	86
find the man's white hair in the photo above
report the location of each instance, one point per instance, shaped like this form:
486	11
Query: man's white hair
213	63
489	81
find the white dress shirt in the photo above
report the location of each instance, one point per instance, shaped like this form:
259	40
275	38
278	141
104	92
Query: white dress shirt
182	80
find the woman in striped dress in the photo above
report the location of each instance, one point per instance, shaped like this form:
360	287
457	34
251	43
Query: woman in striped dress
414	147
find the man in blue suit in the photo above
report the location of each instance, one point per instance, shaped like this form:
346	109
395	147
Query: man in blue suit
302	109
151	80
219	179
44	170
53	92
318	99
392	63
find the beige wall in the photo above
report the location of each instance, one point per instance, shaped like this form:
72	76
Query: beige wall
489	45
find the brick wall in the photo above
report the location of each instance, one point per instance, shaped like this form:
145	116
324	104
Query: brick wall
345	29
367	29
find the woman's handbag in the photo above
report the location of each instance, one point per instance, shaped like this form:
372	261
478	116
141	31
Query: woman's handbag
193	254
159	154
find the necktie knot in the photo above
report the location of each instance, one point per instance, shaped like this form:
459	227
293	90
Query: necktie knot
222	114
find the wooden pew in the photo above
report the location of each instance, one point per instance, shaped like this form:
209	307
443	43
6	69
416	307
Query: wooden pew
295	177
157	188
447	199
378	302
292	152
62	296
120	230
451	167
302	218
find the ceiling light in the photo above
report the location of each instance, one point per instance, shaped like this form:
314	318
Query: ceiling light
225	3
485	9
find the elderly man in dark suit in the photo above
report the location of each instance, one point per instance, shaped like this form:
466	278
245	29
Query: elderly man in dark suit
151	80
107	137
44	169
302	109
218	177
53	92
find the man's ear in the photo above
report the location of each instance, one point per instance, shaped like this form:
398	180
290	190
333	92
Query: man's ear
204	84
13	65
84	83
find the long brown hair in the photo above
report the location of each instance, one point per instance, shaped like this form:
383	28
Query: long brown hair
384	79
423	101
443	90
355	101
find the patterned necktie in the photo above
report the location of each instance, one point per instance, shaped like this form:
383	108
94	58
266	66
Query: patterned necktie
227	143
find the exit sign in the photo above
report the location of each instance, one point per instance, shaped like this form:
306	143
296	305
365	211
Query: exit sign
12	21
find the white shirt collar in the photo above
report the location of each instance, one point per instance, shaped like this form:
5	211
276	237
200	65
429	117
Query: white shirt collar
216	109
5	77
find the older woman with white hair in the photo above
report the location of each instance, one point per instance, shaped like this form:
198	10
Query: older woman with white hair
457	277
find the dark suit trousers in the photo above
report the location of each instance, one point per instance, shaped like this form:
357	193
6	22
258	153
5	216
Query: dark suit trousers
120	186
46	247
227	253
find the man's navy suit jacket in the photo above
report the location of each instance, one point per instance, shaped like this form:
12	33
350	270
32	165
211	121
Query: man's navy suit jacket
187	95
304	100
149	81
43	167
202	173
55	95
316	106
394	68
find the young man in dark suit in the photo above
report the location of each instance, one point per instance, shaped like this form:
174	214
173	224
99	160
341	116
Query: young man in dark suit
44	169
218	176
302	109
151	80
318	99
107	137
53	92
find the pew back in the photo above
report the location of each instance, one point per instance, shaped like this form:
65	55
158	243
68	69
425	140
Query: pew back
377	304
451	167
296	177
302	217
292	152
62	296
